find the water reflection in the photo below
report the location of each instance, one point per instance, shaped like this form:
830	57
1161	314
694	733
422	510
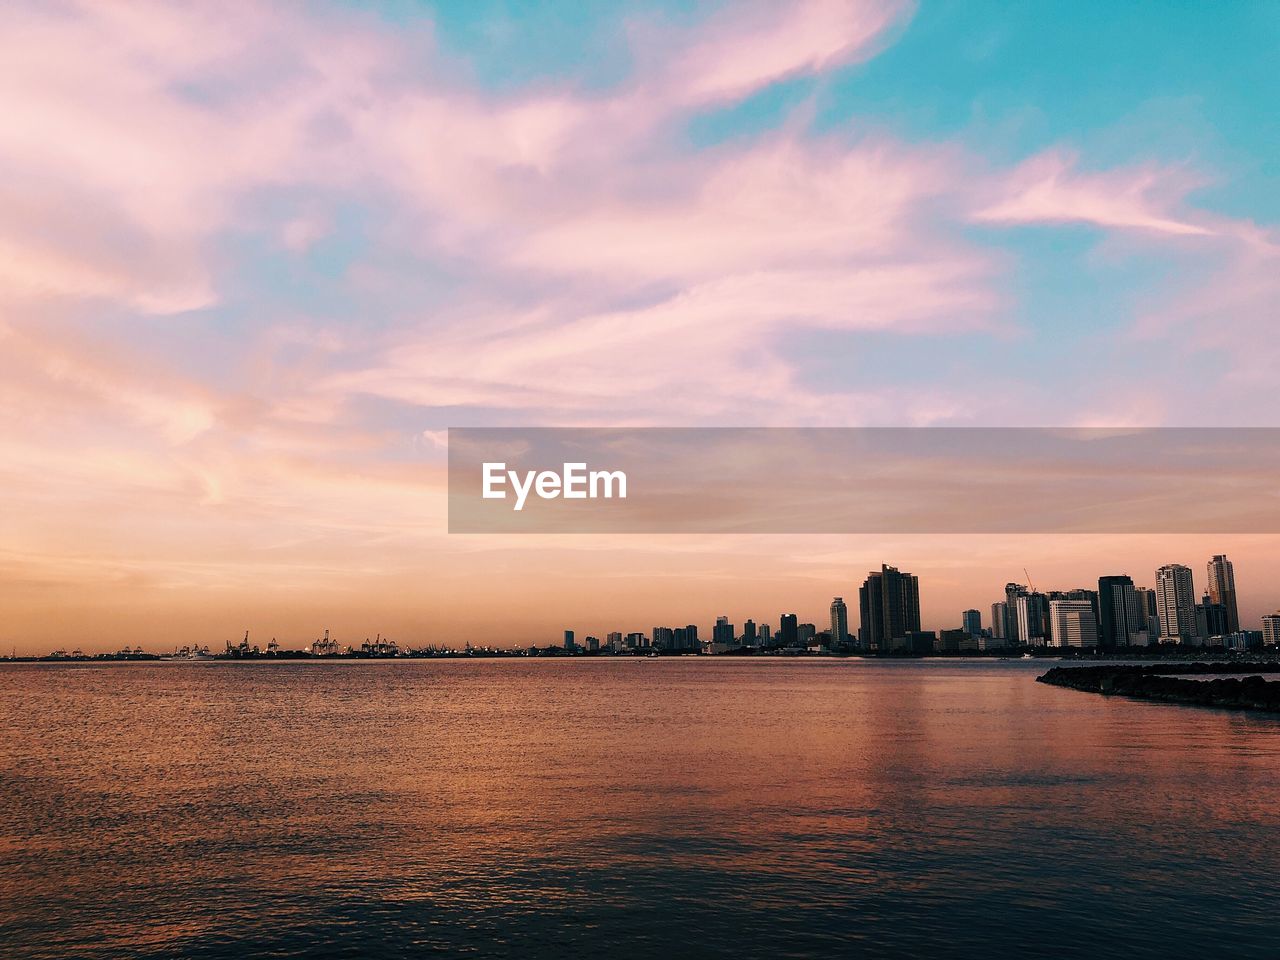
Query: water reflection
712	807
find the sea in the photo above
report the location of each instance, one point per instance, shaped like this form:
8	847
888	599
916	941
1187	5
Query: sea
630	808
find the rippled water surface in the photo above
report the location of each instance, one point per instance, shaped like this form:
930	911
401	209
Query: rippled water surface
729	808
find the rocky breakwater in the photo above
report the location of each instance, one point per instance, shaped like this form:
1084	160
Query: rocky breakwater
1251	691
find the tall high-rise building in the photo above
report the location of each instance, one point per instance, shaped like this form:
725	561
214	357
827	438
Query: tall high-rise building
1032	618
1012	591
1176	603
1222	589
999	619
749	633
1271	628
691	636
568	639
722	632
1073	623
971	622
1212	619
839	621
1080	593
788	630
889	606
1147	610
1119	619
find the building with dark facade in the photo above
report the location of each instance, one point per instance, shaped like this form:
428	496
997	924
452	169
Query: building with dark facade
889	608
789	630
1119	617
839	622
1222	590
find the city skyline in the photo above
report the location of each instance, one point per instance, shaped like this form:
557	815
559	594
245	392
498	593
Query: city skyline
1116	613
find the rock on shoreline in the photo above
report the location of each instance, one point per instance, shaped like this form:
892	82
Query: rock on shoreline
1251	692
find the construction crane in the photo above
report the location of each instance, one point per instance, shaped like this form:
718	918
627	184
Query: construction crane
1031	586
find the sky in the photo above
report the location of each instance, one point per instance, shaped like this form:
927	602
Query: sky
256	259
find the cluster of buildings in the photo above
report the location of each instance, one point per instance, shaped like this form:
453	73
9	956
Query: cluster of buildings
1120	614
1116	615
327	646
124	653
725	637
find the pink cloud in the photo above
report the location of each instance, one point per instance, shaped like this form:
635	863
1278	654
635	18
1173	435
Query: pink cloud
162	119
705	354
778	204
1225	315
733	249
1049	189
753	244
57	377
120	180
754	44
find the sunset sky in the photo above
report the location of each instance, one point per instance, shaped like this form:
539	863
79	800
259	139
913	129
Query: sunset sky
255	259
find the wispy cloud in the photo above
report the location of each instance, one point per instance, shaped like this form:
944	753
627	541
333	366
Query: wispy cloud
1049	188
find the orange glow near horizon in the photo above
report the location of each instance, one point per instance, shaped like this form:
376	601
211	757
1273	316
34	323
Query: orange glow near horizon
517	591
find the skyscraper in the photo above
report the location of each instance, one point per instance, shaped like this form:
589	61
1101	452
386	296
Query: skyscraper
1073	623
788	630
1176	603
839	621
1032	614
999	618
1080	593
723	632
1222	589
889	606
1271	629
1012	591
1147	611
1118	614
568	639
1212	619
971	622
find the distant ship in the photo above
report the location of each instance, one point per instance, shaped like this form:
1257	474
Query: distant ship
189	653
